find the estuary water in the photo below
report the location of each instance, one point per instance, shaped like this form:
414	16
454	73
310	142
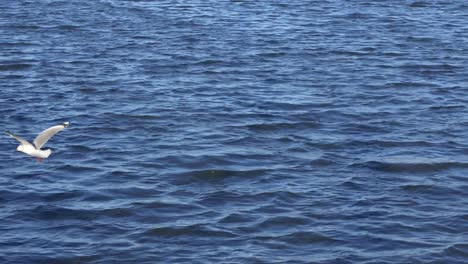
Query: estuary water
235	131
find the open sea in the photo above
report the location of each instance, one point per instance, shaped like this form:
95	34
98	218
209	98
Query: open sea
329	131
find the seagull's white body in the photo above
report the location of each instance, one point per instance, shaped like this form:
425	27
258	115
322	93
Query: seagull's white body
32	151
39	141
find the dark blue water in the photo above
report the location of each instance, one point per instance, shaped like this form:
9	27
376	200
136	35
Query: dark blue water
235	131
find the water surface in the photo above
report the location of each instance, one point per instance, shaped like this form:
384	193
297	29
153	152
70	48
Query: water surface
235	131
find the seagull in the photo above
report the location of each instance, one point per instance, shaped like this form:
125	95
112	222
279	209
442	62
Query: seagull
39	141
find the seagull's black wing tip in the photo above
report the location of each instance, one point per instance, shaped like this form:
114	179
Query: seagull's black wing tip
10	134
66	124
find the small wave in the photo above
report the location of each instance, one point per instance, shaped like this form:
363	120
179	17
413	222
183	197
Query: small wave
209	62
119	173
282	125
191	231
354	15
68	27
390	143
116	212
283	221
60	196
408	166
25	26
434	67
49	212
131	117
237	218
80	148
351	53
169	208
417	187
95	196
421	39
447	107
71	259
271	54
217	174
431	189
306	238
460	250
88	90
13	76
130	192
79	168
17	44
407	84
419	4
15	67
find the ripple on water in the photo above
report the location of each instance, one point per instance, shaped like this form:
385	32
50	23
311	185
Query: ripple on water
414	167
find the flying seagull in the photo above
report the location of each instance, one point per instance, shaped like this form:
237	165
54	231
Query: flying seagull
39	141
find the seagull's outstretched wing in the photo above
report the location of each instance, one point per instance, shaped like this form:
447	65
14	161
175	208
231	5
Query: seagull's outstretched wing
45	135
20	139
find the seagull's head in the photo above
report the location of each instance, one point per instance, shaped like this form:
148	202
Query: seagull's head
20	148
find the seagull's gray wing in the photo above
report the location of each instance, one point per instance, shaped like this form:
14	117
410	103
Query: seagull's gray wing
20	139
45	135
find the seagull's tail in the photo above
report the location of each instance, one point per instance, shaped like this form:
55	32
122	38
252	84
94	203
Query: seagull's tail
47	153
